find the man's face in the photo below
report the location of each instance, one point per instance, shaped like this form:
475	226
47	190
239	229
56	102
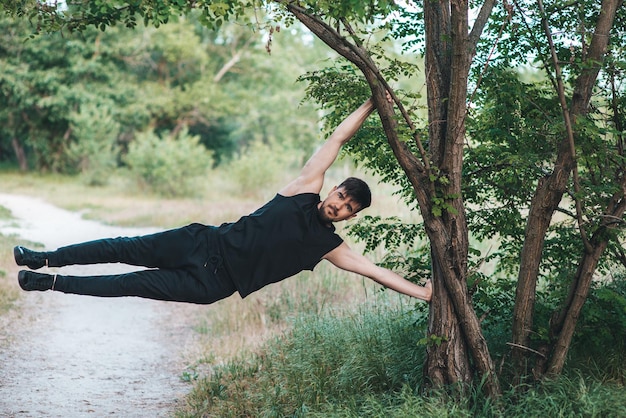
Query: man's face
337	207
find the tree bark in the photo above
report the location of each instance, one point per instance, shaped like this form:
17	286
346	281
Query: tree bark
453	320
448	57
447	362
20	154
564	330
550	191
563	325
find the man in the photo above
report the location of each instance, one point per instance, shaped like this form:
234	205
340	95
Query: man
203	264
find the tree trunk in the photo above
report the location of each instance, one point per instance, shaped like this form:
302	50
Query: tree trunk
547	197
453	321
550	192
447	362
448	58
563	324
20	154
564	330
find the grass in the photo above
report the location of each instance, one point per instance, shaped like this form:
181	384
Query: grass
368	363
233	326
9	290
336	357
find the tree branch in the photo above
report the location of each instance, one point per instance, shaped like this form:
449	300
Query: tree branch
481	21
568	127
359	58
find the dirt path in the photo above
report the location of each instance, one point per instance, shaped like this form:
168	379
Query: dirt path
76	356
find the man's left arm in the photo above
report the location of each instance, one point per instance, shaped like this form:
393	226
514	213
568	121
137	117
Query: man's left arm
346	259
311	178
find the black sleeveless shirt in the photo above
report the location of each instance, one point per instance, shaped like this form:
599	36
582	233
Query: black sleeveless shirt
277	241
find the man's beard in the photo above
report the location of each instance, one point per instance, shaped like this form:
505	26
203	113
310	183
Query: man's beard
321	214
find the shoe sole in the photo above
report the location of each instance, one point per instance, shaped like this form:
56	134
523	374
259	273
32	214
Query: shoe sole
20	259
22	280
37	281
18	254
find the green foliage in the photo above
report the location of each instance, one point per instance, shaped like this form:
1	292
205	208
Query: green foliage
46	82
600	338
169	166
598	344
340	89
432	340
103	14
511	148
362	12
405	244
95	149
514	142
493	300
391	233
149	79
260	165
515	133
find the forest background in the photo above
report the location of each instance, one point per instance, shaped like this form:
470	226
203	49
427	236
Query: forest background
162	106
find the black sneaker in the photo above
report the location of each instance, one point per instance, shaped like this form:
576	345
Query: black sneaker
29	280
32	259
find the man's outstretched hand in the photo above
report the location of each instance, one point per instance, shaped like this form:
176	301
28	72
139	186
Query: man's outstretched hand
429	285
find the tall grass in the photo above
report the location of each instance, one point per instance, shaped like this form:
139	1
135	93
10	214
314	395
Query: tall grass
234	325
368	363
334	358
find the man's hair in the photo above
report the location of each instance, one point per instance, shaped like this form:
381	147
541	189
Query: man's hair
358	190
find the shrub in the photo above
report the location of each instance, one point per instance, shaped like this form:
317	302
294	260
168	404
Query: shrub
168	166
261	167
600	338
94	152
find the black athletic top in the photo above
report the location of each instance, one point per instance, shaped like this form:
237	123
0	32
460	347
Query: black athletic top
278	240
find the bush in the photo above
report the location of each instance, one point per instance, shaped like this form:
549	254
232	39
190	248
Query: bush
600	338
94	152
168	166
261	167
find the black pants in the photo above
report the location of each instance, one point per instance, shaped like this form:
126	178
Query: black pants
184	266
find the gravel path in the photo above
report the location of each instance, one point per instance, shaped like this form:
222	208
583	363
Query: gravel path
76	356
